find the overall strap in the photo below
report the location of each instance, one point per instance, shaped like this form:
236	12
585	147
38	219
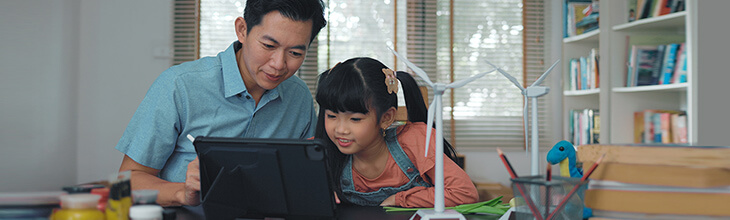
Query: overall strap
400	156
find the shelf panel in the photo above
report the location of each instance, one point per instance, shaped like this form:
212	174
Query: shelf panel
679	87
582	92
591	36
669	21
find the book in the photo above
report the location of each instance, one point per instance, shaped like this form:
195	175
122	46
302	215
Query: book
679	128
660	165
652	125
677	5
644	58
574	77
680	66
656	122
639	127
656	72
662	7
596	127
665	127
645	11
650	199
614	215
668	63
574	14
639	8
584	81
594	57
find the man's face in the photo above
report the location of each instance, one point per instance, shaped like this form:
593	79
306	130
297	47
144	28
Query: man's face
272	51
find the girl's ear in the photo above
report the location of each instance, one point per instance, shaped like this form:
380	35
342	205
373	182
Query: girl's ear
388	118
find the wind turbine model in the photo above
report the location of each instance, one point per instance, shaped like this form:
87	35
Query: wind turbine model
438	211
533	91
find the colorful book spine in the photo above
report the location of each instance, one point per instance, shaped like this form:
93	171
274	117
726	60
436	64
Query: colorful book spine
669	61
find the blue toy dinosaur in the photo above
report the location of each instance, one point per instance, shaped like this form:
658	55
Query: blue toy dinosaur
564	153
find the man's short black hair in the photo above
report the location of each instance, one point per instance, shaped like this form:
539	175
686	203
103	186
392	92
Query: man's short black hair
298	10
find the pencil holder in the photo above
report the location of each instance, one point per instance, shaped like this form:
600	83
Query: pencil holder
534	195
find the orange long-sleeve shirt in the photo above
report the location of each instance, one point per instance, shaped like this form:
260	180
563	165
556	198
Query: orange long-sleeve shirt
458	187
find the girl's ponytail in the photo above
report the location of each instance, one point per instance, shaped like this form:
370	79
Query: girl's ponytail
417	111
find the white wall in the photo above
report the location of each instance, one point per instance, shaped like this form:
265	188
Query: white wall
116	69
38	66
73	73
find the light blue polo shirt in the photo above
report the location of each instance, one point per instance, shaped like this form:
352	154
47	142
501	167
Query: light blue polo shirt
207	97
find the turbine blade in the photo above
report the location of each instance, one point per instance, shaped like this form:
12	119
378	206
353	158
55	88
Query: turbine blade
415	68
463	82
544	75
505	74
429	127
524	120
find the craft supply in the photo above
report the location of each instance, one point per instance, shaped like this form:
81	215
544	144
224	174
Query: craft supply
120	200
104	193
512	173
145	196
145	212
575	189
81	206
83	188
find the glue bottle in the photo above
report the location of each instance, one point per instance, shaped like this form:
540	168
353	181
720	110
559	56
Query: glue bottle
78	207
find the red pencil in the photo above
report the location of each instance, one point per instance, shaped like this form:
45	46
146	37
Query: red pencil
575	188
510	169
549	174
512	173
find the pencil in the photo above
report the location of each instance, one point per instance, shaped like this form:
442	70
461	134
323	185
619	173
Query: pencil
512	173
510	169
575	189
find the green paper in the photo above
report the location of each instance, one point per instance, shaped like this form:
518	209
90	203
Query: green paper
494	206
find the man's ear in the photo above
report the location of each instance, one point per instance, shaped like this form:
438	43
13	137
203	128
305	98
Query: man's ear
241	29
388	118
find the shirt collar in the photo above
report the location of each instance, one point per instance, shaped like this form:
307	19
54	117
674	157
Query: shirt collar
232	81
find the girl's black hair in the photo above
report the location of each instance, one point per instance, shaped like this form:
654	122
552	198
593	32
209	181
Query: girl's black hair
357	85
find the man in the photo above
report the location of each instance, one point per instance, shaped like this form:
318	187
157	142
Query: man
246	91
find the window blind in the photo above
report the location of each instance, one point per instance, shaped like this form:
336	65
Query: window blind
185	31
216	24
488	111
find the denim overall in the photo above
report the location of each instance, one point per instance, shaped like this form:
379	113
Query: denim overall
376	197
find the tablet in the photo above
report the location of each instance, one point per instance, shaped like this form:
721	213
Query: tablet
257	178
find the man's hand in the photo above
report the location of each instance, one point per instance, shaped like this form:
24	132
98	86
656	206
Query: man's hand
192	183
390	201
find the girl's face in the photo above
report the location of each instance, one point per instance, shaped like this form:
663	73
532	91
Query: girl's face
353	133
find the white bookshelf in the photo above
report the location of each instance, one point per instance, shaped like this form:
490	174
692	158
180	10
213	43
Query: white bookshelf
704	95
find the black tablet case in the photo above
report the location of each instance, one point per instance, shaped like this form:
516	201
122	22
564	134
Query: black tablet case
256	178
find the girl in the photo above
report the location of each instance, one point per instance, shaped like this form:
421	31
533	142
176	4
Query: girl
371	163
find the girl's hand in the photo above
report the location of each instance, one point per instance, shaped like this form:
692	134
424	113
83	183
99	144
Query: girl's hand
390	201
337	200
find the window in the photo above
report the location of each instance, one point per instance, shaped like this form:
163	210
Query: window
449	39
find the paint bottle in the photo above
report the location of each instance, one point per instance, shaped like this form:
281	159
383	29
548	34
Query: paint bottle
145	212
78	207
104	193
120	198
